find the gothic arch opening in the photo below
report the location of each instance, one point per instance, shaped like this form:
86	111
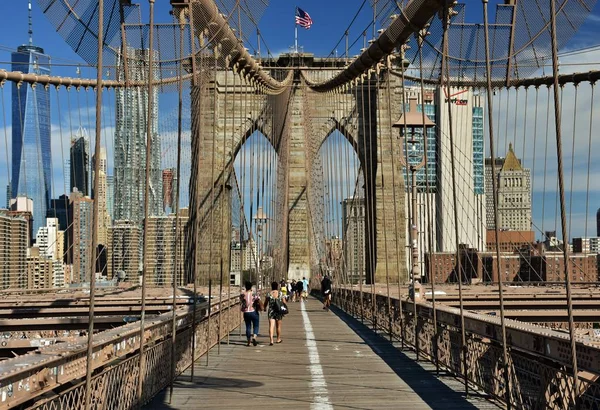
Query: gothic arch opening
254	210
339	220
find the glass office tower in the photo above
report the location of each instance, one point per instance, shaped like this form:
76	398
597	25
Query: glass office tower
31	147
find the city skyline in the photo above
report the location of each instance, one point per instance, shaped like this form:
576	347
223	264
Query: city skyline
82	112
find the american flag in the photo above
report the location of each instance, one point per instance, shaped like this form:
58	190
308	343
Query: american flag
303	19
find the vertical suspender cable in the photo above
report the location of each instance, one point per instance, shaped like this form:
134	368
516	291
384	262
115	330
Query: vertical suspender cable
260	188
346	195
525	121
149	135
198	84
446	76
339	193
410	193
563	217
252	148
428	210
371	204
177	195
240	211
507	111
589	159
90	338
326	157
546	158
223	201
392	152
347	160
557	197
242	177
363	164
573	158
489	91
334	144
380	144
211	206
342	172
6	137
535	131
231	178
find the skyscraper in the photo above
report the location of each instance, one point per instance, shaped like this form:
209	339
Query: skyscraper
353	218
78	163
48	239
110	197
467	128
168	181
125	250
101	196
31	147
514	193
130	143
59	208
80	236
161	245
14	241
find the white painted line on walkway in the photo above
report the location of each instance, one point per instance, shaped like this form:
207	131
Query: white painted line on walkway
318	384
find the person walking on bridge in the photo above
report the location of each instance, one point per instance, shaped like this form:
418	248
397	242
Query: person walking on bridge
251	305
305	290
275	304
326	291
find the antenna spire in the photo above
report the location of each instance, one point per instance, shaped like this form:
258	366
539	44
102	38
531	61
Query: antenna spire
30	26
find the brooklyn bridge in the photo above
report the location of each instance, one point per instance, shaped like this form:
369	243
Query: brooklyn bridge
437	168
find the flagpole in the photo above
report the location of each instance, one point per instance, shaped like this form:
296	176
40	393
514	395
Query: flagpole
296	38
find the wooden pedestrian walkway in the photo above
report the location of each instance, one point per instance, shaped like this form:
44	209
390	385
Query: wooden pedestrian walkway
327	360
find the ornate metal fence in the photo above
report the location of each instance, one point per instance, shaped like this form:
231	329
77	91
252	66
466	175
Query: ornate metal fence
539	372
54	378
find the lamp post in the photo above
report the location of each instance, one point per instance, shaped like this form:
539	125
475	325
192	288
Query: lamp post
411	125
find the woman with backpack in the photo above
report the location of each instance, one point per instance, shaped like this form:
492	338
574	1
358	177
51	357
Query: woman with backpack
276	306
251	305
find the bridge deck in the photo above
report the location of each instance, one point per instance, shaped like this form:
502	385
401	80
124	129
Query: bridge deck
326	360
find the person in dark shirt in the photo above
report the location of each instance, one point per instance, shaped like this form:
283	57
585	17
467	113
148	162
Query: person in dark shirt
326	291
299	288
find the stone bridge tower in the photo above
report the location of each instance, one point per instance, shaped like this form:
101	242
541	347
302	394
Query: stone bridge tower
226	110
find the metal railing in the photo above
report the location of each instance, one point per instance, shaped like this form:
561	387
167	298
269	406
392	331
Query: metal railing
540	374
54	377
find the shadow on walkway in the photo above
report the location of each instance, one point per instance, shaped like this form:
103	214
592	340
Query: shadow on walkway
420	380
161	400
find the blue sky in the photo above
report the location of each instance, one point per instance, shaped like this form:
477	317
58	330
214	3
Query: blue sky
277	27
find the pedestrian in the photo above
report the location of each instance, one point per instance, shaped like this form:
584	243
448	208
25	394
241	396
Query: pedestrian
283	288
326	291
292	290
305	290
272	302
298	289
251	305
